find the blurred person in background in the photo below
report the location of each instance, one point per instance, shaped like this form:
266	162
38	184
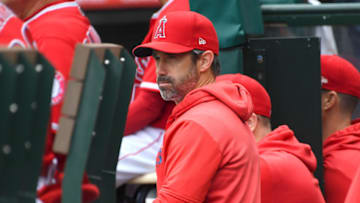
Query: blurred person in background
56	26
287	165
340	82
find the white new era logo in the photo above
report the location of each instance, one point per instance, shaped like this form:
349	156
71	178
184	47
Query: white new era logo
324	80
202	41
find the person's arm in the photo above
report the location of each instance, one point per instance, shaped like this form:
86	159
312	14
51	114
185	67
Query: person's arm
266	181
353	194
191	159
60	54
337	185
146	108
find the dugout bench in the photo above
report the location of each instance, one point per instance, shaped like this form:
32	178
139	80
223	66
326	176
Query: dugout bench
92	121
93	118
26	79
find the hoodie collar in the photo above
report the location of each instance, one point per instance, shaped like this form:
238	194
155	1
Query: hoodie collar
283	139
234	96
348	138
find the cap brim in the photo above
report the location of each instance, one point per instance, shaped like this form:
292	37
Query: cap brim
167	47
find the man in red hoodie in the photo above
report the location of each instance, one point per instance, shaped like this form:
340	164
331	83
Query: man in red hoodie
13	32
341	137
286	165
208	153
56	26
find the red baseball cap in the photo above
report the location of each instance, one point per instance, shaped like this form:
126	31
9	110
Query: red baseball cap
180	32
259	96
339	75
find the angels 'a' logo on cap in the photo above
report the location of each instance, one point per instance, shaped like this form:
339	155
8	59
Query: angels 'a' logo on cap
160	30
324	80
202	41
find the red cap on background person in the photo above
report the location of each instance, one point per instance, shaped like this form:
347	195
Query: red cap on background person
259	96
196	32
339	75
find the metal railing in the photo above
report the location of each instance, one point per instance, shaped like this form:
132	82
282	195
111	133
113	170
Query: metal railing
307	14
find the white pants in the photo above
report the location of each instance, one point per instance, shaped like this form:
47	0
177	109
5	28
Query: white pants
138	154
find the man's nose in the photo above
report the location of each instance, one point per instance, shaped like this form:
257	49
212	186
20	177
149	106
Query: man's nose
161	68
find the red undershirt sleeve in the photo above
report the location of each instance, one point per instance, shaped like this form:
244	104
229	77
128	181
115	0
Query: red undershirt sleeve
146	108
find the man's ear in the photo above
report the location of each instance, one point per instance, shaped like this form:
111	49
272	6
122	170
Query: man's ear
328	100
205	61
252	122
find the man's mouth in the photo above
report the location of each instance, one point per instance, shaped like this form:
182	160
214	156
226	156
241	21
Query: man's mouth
164	84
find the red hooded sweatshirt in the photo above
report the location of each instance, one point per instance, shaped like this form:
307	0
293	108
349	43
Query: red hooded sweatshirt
341	152
287	168
208	153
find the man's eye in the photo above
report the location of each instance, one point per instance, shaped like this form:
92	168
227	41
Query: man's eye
173	56
156	57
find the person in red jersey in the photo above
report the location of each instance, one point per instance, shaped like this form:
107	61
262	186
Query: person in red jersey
56	26
341	136
208	153
13	32
353	195
148	112
286	164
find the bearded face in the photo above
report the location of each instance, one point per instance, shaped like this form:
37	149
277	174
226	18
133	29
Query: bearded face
177	75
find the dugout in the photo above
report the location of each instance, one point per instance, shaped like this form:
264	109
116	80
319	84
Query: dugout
277	42
288	67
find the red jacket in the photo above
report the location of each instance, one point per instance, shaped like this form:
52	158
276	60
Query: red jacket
341	152
208	153
287	168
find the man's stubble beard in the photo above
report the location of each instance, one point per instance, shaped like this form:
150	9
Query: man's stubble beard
178	91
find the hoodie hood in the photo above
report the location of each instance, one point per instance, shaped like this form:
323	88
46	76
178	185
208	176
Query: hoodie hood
348	138
234	96
283	139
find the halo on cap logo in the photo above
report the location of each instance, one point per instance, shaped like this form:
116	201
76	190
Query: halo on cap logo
58	88
160	30
202	41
